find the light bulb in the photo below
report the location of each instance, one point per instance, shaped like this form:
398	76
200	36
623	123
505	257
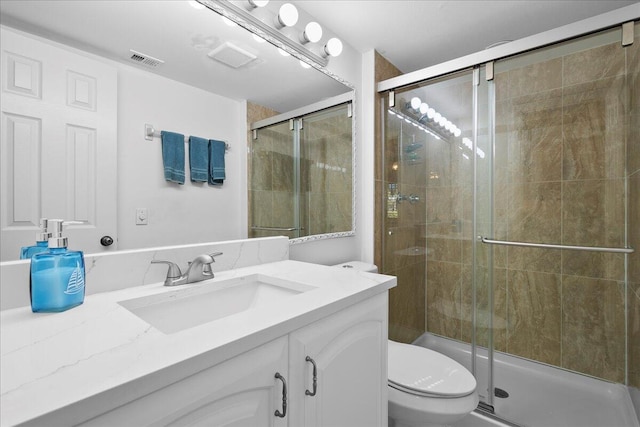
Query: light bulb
333	47
457	132
258	3
424	107
283	52
258	38
312	33
304	64
431	113
415	102
287	16
437	117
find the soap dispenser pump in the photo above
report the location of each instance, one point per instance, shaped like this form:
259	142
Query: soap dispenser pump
57	275
42	241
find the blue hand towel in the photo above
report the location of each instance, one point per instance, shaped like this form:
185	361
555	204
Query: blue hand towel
173	156
216	162
199	159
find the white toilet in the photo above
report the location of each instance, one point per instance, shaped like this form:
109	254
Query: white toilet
426	388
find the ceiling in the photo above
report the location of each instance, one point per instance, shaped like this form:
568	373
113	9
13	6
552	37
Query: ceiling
417	34
410	34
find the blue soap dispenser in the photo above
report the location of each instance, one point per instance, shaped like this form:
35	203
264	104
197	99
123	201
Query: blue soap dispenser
57	275
42	241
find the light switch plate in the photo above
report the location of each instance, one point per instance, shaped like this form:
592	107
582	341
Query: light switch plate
142	216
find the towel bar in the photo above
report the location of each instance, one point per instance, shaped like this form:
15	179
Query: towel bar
553	246
150	133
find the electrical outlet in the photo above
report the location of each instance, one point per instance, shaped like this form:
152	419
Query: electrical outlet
142	216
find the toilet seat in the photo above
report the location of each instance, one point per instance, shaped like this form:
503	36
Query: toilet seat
427	373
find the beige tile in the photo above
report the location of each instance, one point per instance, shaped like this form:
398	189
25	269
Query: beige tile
444	310
594	140
593	64
593	213
535	78
407	304
534	212
593	327
533	315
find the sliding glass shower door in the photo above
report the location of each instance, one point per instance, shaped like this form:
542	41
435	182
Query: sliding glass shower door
301	175
436	141
510	203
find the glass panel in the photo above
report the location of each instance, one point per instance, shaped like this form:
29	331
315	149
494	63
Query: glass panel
633	178
561	177
428	214
301	176
326	192
272	183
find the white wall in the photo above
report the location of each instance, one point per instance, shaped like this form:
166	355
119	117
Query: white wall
178	214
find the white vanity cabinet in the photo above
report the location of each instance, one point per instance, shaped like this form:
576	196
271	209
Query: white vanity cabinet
348	349
241	391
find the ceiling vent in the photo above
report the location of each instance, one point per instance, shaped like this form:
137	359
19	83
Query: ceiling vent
144	59
231	55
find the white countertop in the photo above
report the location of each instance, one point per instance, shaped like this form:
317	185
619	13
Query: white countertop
101	352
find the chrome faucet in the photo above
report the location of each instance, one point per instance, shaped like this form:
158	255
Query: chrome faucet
199	269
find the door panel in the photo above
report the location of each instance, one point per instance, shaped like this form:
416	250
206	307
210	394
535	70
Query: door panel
59	145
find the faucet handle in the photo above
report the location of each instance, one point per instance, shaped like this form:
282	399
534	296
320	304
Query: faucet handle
173	272
214	255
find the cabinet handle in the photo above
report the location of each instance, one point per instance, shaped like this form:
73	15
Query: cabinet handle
315	377
284	397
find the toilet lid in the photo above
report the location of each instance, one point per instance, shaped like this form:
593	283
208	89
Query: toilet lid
418	370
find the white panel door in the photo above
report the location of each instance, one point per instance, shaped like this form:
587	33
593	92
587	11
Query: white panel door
59	144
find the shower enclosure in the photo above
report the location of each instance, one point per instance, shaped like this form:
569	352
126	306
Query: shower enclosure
510	201
300	180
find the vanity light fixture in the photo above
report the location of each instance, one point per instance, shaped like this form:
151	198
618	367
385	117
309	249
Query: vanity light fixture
333	47
287	16
271	32
229	22
312	33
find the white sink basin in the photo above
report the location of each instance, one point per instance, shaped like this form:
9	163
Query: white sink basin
198	303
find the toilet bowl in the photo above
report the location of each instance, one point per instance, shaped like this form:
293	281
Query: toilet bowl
426	388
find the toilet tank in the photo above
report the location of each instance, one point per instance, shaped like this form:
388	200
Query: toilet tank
359	265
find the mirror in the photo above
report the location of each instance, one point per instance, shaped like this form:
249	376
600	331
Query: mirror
181	39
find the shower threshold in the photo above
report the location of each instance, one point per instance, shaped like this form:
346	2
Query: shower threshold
539	395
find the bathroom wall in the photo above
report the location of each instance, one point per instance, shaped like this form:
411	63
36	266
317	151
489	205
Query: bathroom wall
174	209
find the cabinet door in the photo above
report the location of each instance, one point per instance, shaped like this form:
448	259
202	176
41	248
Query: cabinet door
240	392
349	349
